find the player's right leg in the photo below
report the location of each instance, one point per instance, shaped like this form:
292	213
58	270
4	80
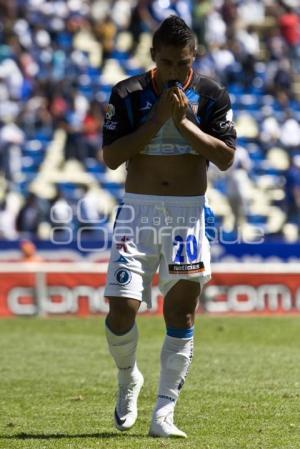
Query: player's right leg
122	337
133	261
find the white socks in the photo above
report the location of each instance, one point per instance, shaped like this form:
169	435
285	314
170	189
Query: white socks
176	356
123	351
175	359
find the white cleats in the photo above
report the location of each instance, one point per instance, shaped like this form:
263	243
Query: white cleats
126	409
163	426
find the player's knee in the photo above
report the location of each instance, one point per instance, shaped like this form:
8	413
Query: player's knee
180	316
187	320
121	314
180	304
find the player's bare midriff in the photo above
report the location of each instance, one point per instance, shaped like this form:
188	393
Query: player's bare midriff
183	175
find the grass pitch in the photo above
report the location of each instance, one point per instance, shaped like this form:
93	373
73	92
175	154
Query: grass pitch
57	385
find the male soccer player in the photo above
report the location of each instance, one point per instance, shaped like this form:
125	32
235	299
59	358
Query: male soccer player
166	125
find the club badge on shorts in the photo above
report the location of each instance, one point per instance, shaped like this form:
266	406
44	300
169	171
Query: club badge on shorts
123	276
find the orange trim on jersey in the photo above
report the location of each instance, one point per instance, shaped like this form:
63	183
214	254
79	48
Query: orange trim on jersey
188	80
153	80
185	85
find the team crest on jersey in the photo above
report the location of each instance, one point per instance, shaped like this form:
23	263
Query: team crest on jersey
123	276
110	111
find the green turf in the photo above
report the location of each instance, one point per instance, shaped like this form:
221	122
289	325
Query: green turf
57	385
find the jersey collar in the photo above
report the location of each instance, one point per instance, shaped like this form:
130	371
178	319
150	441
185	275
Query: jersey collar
186	83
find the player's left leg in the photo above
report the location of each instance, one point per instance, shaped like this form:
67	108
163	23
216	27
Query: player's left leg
176	355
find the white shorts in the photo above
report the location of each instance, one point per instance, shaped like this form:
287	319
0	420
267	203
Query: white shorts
154	231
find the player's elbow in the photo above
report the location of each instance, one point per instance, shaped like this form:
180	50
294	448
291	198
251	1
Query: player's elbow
225	165
109	159
227	160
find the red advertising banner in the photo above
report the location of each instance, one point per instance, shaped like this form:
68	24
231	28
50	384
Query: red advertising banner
82	293
253	293
58	294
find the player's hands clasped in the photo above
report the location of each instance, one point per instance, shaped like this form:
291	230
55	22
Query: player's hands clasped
172	103
179	104
162	109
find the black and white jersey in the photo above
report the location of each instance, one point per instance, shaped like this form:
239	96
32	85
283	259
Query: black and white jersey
132	100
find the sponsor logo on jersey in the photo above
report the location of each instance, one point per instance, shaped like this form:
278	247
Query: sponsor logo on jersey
123	276
227	124
109	124
187	268
229	115
168	149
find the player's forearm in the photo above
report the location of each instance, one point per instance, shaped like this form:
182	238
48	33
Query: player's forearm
208	146
126	147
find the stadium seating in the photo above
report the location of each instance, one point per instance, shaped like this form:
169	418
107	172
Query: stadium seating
81	67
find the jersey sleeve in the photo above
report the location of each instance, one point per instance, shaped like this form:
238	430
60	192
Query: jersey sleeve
116	122
219	123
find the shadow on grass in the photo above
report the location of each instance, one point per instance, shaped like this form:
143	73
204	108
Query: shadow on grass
58	436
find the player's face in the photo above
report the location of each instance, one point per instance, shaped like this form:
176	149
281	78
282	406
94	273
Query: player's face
172	63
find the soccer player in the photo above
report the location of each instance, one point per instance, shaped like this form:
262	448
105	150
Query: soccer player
166	124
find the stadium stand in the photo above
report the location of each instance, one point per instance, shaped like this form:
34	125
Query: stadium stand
58	62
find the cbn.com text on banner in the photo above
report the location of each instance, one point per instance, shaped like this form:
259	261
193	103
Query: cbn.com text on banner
58	291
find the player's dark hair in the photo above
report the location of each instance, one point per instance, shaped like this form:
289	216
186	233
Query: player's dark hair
173	31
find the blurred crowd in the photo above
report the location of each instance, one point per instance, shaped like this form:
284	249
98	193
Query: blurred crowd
58	61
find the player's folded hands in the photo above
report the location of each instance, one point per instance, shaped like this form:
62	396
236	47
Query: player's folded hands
179	104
